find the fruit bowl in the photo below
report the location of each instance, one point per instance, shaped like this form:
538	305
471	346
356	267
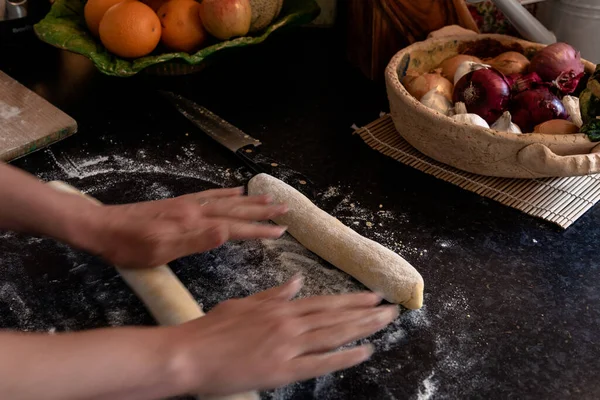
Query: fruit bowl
64	27
472	148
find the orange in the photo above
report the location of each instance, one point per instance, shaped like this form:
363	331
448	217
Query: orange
130	29
154	4
182	28
94	11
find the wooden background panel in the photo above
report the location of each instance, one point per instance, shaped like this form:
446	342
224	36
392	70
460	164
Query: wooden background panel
377	29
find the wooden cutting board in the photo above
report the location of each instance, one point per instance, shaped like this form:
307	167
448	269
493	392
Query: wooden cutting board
27	121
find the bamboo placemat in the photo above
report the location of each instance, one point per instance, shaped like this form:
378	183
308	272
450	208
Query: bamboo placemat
558	200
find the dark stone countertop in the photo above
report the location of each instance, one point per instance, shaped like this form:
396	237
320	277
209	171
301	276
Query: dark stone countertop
511	304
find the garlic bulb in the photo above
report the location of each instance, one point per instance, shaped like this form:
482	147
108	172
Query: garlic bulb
505	124
466	67
462	116
571	104
460	108
436	100
471	119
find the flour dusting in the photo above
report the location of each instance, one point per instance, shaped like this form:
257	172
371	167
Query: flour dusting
8	112
92	161
428	388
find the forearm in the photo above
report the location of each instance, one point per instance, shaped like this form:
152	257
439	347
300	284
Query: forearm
28	205
120	363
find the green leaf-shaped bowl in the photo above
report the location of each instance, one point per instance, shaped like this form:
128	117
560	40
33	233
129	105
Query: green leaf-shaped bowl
64	27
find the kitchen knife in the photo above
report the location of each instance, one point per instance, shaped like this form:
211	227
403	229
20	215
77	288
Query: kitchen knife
241	144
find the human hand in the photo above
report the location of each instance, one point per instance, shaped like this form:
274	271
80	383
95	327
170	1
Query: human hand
265	341
150	234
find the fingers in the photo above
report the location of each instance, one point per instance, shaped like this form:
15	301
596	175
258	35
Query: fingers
219	232
255	208
334	336
246	230
336	302
218	193
284	292
317	321
311	366
232	199
249	212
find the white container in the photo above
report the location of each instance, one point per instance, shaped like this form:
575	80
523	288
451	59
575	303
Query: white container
576	22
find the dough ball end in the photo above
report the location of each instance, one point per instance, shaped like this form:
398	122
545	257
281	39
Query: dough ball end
416	299
256	184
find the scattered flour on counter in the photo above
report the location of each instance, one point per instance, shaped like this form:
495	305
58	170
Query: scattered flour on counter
418	318
332	191
445	243
286	257
457	363
9	295
456	303
374	222
108	171
92	161
285	392
428	389
323	386
117	317
160	191
391	338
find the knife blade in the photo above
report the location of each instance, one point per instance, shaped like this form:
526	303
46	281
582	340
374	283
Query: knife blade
214	126
240	143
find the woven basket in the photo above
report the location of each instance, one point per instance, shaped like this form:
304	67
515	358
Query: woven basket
472	148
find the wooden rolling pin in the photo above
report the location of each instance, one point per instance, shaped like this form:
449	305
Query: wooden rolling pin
169	302
377	267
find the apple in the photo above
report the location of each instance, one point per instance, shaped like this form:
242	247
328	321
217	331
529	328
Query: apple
225	19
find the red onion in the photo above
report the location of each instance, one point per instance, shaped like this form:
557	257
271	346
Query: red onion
559	64
485	92
511	78
526	82
532	107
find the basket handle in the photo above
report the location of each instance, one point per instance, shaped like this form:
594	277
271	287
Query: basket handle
540	159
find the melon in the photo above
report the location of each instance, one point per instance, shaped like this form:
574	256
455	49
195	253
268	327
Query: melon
263	13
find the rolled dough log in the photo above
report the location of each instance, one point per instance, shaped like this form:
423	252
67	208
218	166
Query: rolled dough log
377	267
169	302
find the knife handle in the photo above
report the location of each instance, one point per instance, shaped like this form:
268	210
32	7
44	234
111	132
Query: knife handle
259	163
244	154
